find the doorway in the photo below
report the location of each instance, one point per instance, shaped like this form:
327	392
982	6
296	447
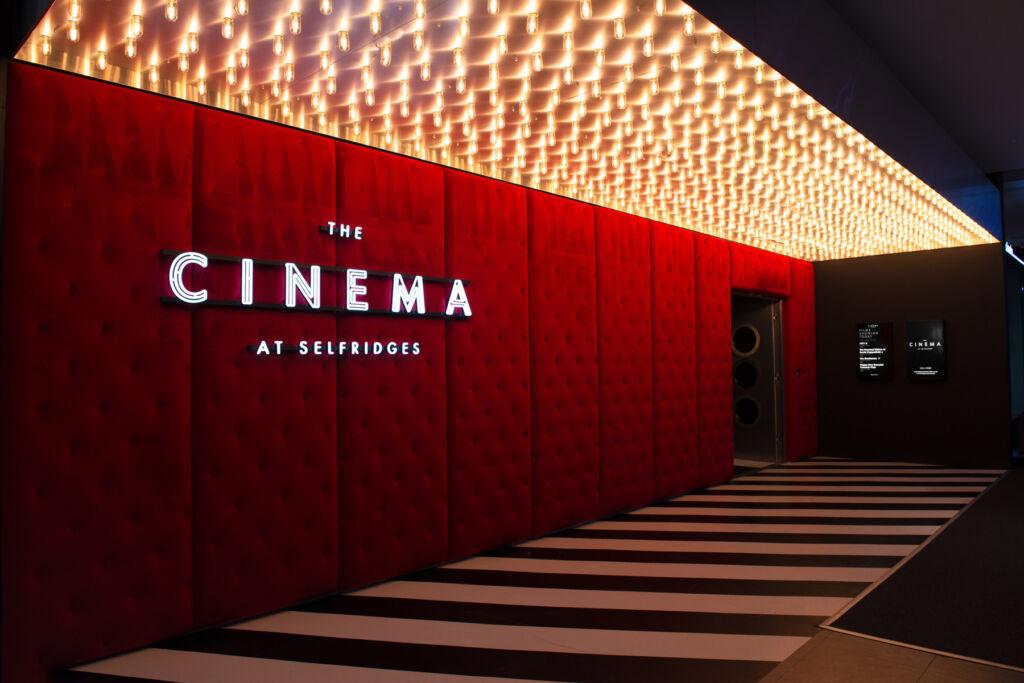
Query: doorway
757	381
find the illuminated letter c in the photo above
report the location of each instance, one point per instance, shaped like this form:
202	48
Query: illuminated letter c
177	269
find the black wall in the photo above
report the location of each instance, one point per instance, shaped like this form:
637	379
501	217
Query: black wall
962	420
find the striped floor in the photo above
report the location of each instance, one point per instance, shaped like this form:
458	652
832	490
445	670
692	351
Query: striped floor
717	585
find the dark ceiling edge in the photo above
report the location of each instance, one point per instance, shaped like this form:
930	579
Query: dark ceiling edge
878	49
20	17
810	44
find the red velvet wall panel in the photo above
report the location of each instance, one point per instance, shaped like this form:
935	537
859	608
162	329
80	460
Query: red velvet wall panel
714	359
265	455
624	359
313	473
488	365
95	438
674	358
758	271
563	362
392	420
801	380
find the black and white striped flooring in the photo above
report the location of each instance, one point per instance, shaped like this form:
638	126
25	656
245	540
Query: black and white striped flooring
717	585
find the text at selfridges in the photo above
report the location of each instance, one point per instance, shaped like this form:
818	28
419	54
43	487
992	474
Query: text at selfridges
302	293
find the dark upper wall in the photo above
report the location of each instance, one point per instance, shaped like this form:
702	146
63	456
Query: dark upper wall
963	419
811	45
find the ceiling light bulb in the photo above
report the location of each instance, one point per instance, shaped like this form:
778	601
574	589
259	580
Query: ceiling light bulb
698	77
567	41
385	53
531	23
502	44
654	86
241	7
171	10
314	97
619	27
437	119
130	47
74	33
716	42
417	40
585	9
648	46
365	75
629	73
343	40
403	89
135	22
493	6
595	89
227	27
101	59
277	43
295	22
289	72
720	89
620	101
425	70
75	10
326	7
759	74
374	23
45	44
183	61
201	85
154	72
567	75
403	109
460	84
463	26
369	97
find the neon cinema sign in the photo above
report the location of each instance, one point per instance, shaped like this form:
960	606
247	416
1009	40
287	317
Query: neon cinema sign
406	298
302	292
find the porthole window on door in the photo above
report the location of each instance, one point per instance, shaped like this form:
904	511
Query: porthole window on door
745	375
746	340
747	411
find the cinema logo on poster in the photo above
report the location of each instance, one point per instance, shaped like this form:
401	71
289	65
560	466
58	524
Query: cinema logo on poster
303	285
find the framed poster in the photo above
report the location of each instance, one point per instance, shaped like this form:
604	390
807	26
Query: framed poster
874	350
926	349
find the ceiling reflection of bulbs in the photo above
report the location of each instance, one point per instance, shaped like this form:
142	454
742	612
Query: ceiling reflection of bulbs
657	113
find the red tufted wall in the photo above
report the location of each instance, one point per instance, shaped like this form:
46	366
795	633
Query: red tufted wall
96	436
753	270
714	359
563	362
156	477
489	464
624	359
265	459
393	472
674	357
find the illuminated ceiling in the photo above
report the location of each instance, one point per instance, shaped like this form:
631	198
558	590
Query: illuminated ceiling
646	108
